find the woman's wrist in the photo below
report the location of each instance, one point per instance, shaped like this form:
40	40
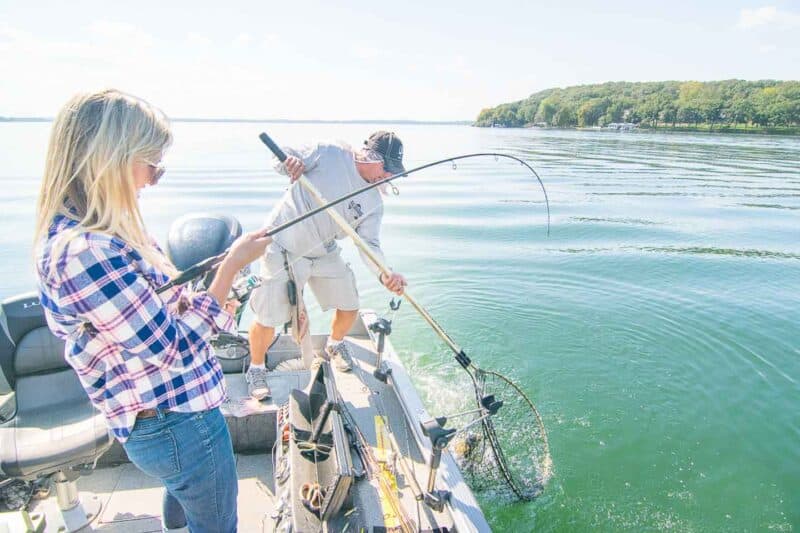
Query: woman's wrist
223	280
227	268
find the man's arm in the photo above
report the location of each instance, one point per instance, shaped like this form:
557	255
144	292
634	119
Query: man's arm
298	161
369	231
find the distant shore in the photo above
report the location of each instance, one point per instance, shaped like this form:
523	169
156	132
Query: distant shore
700	128
739	129
726	106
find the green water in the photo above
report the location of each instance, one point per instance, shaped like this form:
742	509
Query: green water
655	328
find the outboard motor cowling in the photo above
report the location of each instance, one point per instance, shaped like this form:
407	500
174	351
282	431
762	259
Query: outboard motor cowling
198	236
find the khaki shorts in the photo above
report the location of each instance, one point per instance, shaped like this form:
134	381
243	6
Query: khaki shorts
330	278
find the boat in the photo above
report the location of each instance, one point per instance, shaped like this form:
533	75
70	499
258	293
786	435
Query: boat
329	451
623	126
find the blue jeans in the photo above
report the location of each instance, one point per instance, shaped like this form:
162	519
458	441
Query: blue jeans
192	454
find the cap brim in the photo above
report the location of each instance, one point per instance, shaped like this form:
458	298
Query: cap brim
395	167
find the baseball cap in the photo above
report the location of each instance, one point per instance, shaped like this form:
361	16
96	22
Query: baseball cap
390	147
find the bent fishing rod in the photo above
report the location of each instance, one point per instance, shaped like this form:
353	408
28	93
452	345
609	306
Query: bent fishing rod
204	266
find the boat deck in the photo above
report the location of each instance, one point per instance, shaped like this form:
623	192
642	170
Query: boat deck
132	501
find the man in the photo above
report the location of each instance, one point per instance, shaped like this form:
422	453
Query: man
308	252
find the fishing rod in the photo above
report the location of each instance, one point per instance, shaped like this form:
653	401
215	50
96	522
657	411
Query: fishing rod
212	262
520	486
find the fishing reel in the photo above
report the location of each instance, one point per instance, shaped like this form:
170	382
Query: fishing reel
441	437
243	284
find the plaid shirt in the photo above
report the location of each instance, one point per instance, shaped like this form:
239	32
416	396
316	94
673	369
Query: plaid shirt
132	349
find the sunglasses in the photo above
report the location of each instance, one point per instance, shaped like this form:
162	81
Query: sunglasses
158	171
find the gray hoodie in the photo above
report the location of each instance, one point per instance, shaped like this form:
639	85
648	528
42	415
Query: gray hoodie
331	168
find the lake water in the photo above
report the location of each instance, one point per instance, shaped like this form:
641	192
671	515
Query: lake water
656	328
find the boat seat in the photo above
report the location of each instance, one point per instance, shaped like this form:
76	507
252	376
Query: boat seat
53	429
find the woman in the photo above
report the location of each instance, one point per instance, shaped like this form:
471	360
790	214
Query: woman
143	358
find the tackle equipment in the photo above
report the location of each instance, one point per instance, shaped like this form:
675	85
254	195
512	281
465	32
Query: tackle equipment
383	328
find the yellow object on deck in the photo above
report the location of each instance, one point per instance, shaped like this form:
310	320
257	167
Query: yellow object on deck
386	479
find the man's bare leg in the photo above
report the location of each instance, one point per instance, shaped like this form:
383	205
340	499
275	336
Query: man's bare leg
260	338
342	322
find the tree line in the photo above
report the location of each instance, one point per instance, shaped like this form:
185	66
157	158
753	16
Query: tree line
764	103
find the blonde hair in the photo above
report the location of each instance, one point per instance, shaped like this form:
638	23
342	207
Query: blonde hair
95	140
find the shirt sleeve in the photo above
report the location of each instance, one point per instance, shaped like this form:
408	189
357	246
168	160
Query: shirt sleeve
100	286
370	231
309	154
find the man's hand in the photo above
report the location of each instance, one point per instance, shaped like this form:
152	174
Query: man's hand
394	282
294	167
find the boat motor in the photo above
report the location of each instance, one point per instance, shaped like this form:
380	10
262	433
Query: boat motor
198	236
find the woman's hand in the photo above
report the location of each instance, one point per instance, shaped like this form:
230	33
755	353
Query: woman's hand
243	251
394	282
294	167
247	249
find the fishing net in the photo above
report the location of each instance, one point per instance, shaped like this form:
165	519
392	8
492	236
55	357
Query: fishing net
506	455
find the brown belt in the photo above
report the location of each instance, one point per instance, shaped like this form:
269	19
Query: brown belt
149	413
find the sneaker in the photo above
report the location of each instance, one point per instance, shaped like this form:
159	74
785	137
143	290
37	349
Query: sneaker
257	383
340	356
316	363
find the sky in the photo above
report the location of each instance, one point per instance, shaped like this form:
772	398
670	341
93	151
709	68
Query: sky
375	60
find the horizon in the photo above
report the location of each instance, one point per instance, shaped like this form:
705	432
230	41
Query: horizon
378	120
423	62
273	120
